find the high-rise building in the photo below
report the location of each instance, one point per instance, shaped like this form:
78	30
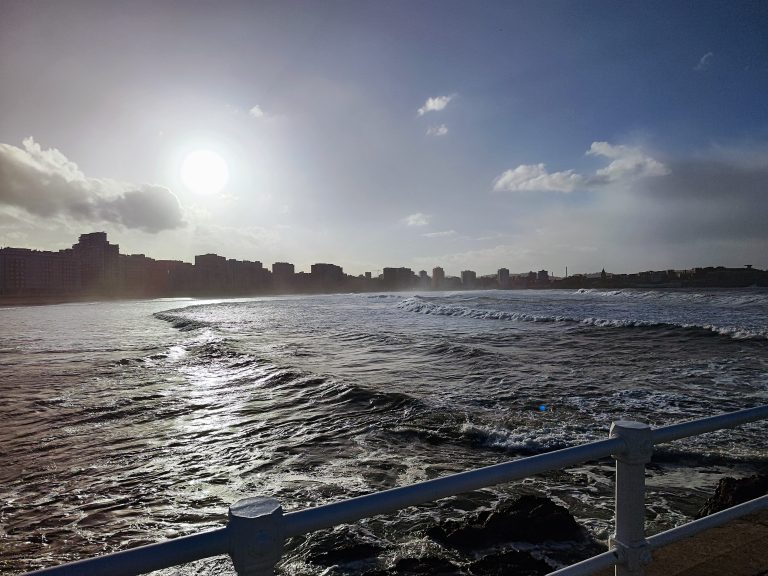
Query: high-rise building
468	279
99	263
210	273
438	278
398	278
327	276
283	274
503	278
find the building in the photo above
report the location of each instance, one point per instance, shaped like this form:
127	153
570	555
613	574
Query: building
210	274
503	278
398	279
25	272
245	277
99	263
134	275
327	277
438	278
468	279
283	274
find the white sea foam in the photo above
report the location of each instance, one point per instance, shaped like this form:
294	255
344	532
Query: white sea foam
670	314
526	439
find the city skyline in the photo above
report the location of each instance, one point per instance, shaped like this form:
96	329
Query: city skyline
532	135
93	246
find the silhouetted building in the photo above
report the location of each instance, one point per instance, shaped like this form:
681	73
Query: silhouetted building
468	279
245	277
503	278
327	277
438	278
283	276
210	274
134	275
99	265
25	272
451	283
398	279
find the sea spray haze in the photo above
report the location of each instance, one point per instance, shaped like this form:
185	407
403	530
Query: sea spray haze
127	423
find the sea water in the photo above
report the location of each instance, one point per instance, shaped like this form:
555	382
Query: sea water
125	423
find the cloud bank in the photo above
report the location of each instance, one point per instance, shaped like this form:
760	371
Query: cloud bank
627	162
46	183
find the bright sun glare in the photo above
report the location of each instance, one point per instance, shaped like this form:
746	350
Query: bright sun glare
204	172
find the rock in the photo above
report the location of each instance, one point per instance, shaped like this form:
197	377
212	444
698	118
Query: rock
509	562
351	553
432	565
526	519
730	492
342	547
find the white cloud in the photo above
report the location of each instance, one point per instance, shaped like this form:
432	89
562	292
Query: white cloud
536	177
46	183
704	62
256	112
442	234
417	219
628	162
440	130
435	104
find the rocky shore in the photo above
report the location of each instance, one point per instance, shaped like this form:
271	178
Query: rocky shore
532	535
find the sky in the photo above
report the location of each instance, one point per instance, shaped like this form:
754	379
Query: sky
529	135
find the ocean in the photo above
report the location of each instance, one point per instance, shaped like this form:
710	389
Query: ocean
126	423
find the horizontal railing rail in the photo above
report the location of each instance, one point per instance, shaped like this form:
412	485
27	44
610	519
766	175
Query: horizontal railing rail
257	529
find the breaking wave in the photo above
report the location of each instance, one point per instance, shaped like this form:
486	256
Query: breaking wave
419	305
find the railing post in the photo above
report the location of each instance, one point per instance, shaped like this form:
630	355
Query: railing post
256	535
629	538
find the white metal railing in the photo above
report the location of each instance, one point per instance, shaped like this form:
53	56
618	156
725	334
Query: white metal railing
257	529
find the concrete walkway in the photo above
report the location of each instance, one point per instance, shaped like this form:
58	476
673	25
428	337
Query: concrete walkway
738	548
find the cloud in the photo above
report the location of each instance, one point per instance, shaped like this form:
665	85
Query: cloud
440	130
627	162
46	183
704	62
442	234
535	177
256	112
417	219
435	104
711	198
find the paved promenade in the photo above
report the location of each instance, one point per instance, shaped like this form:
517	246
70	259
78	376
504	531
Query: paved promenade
738	548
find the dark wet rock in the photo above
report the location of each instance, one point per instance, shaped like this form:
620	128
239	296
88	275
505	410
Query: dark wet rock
730	492
350	552
427	565
526	519
508	562
342	547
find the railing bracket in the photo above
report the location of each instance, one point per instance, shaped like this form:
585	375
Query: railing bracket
256	535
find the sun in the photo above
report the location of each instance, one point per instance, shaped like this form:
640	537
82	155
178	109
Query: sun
204	172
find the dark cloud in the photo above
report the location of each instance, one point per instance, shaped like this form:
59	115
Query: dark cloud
711	199
45	183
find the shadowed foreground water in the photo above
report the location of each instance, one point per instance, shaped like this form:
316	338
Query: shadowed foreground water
126	423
